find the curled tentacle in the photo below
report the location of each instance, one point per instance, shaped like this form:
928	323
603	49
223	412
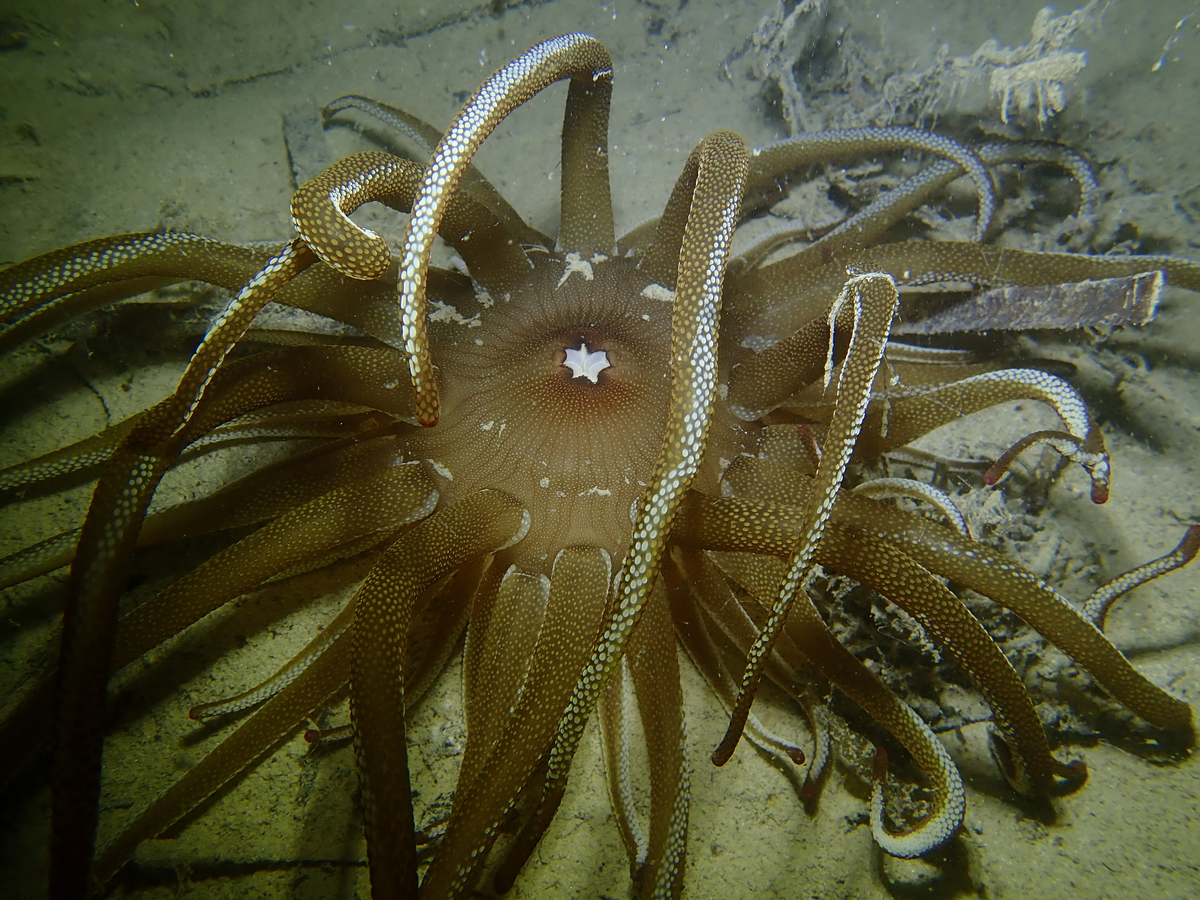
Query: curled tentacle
426	137
815	146
714	179
874	298
1096	607
574	56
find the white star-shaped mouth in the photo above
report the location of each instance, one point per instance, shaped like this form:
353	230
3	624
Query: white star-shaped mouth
586	365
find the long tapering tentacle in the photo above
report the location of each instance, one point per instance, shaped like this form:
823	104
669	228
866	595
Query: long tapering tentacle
716	170
280	715
654	666
586	226
575	56
578	591
99	572
803	149
478	524
874	298
1096	608
835	662
948	553
872	221
427	137
321	208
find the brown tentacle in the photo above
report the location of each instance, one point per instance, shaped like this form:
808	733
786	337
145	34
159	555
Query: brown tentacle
481	523
819	146
278	717
699	634
99	572
739	619
259	496
427	137
614	715
498	659
586	225
654	665
874	299
909	412
61	286
377	502
44	319
871	222
931	262
71	270
1096	608
836	663
943	551
574	609
716	169
762	382
1029	767
321	208
286	485
572	56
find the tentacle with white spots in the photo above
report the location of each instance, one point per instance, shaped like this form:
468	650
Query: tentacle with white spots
715	175
575	56
1096	608
873	298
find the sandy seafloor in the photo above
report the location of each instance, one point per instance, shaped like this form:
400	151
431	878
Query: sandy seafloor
120	116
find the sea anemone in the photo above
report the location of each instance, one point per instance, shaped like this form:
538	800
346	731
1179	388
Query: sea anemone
575	450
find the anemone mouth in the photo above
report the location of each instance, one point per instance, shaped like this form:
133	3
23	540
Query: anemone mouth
584	363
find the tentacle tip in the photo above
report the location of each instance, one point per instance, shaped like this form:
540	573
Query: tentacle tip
428	410
808	791
992	475
1189	547
1073	774
797	755
733	734
879	770
312	736
195	714
1100	493
724	751
428	407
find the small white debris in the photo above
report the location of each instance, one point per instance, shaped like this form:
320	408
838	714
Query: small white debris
576	263
444	312
440	469
658	292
